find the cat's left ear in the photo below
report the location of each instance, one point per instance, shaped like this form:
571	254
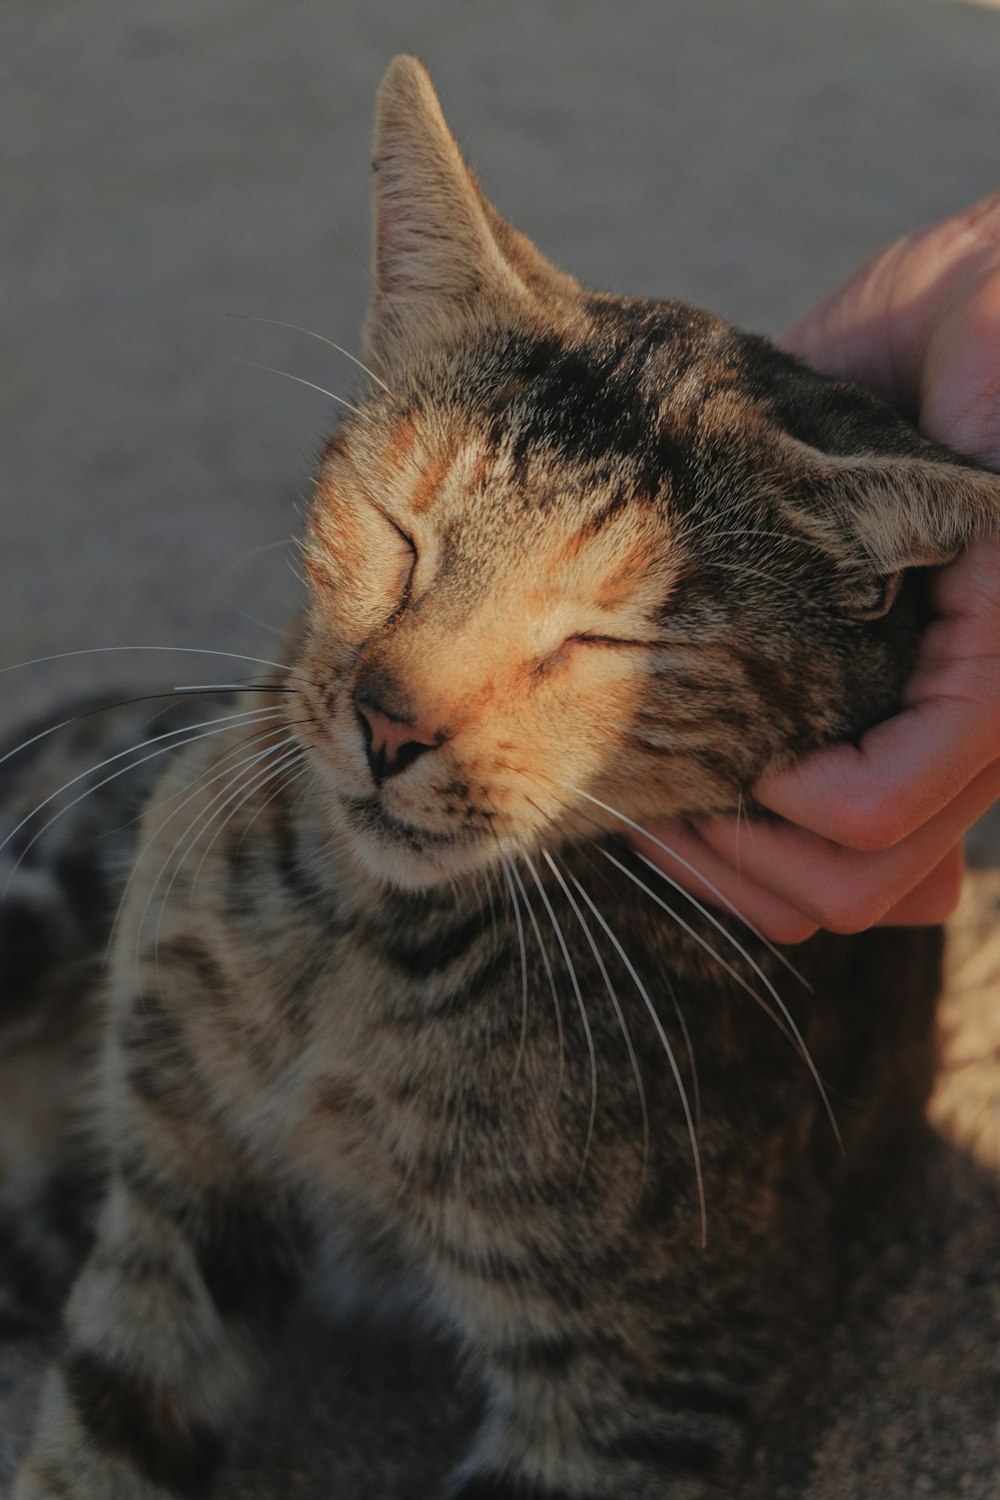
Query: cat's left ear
892	513
443	255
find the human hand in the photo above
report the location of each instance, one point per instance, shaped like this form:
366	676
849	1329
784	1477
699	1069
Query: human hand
872	834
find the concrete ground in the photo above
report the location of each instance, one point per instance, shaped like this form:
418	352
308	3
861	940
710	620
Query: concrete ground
168	162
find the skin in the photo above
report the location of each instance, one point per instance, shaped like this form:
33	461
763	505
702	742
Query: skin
872	835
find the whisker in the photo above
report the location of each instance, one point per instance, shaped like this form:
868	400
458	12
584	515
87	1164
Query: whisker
745	570
739	813
706	912
251	716
616	1004
543	951
101	708
788	1028
692	870
484	879
254	365
688	1046
283	761
163	801
235	687
237	563
668	1050
287	780
581	1006
297	328
237	777
516	908
695	1086
199	784
705	944
262	661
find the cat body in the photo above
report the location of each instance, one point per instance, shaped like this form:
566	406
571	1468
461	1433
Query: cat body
385	969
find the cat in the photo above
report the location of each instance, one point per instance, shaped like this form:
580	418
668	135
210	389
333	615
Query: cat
385	968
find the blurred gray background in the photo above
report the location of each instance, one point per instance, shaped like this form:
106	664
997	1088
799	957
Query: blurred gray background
169	162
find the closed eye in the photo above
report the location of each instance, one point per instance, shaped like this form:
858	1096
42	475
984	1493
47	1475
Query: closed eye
586	639
404	536
408	557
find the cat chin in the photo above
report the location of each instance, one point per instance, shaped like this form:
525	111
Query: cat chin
406	856
394	864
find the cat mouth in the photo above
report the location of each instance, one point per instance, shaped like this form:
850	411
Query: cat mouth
367	815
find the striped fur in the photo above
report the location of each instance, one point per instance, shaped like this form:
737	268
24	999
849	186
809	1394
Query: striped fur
384	966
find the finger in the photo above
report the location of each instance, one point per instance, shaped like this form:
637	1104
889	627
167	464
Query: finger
688	862
877	327
904	772
837	887
934	899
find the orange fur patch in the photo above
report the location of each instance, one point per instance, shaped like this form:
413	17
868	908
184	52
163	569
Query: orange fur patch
572	547
429	483
399	447
620	586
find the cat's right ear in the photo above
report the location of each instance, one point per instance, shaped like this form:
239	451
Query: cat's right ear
443	255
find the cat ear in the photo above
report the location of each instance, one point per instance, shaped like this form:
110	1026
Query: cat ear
874	492
442	252
891	513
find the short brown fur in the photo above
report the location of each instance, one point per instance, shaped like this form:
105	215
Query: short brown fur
604	560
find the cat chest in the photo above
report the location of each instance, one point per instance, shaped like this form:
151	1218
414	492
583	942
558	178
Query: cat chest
420	1080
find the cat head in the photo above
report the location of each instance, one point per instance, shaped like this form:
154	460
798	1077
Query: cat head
575	552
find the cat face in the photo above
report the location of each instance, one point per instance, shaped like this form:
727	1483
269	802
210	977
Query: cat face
573	548
489	617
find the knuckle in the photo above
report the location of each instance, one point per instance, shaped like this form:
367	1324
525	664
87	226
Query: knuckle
849	912
948	896
948	905
793	928
872	828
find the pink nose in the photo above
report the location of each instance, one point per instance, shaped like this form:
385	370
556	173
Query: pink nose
391	744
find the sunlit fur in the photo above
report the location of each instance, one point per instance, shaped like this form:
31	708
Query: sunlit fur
383	964
645	553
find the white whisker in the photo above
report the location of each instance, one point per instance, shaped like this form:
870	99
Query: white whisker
103	708
297	328
543	951
787	1027
669	1051
619	1014
692	870
263	661
516	908
233	687
238	777
252	716
695	1086
581	1006
289	779
215	772
255	365
261	779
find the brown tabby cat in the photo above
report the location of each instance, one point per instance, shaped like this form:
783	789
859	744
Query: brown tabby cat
576	561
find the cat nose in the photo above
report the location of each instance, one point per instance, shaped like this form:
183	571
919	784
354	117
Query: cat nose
391	744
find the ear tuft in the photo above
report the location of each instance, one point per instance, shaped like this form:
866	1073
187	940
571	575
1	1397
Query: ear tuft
915	512
443	255
435	252
878	494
